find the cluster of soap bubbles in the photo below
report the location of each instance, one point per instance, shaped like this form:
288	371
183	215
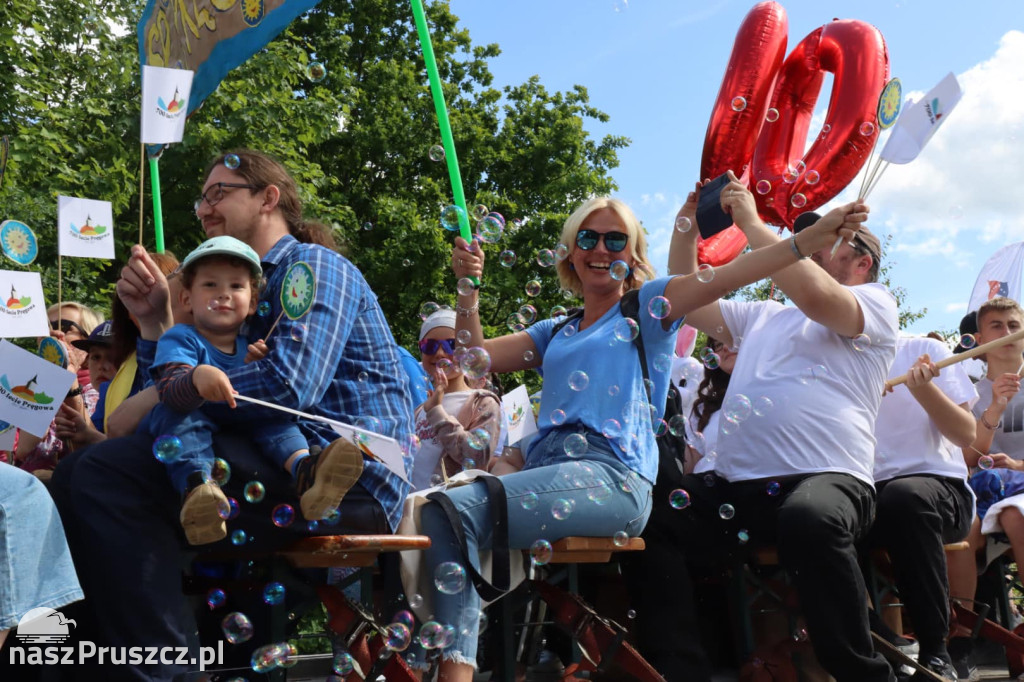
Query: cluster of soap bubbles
271	656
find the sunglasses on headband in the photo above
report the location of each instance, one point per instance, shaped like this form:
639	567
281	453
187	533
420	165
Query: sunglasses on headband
430	346
613	241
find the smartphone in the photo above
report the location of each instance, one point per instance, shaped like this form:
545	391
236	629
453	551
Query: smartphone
711	219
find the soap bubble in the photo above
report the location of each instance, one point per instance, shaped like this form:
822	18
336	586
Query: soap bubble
986	462
367	226
343	664
967	341
273	593
436	153
283	515
763	186
618	270
611	428
479	212
812	177
626	329
705	273
772	488
507	258
428	309
613	390
397	637
562	508
450	577
529	501
861	342
867	128
545	258
232	162
431	635
557	417
737	407
620	539
772	115
532	287
528	356
490	229
812	374
798	200
298	332
575	445
463	337
743	536
476	363
215	598
763	405
263	309
659	307
465	286
515	322
679	499
239	537
316	71
478	439
712	361
738	103
237	627
578	380
683	224
726	511
254	492
167	448
220	473
790	175
540	552
662	362
528	313
450	217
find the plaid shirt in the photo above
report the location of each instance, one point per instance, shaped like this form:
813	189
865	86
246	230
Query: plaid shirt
338	361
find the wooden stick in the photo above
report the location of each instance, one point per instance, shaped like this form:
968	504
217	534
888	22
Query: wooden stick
142	189
966	355
60	279
274	326
306	415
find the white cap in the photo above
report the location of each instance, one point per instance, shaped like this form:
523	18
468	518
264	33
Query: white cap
445	317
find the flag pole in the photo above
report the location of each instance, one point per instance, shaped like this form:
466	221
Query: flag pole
142	187
158	212
60	281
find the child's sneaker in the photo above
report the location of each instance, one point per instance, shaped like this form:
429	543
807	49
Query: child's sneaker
203	511
323	480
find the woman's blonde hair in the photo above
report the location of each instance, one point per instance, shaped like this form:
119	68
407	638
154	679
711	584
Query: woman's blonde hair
90	318
642	270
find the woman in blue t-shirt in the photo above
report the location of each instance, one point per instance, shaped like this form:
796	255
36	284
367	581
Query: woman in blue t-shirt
590	470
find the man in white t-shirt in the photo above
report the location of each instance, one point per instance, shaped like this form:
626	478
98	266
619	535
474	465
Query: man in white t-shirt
799	477
923	498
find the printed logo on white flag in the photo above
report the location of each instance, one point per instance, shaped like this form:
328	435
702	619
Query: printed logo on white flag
920	120
22	308
1000	276
165	94
31	389
85	228
515	407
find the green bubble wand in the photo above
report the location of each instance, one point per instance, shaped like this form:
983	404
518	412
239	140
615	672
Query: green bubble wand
442	119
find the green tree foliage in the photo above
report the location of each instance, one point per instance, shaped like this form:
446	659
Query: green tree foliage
356	141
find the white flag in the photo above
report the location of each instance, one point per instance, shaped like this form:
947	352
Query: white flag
1000	276
919	121
22	308
85	228
515	407
31	389
165	94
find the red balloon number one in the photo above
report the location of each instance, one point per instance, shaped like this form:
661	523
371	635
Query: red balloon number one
760	121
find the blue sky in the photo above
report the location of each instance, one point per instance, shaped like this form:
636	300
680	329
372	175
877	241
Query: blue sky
655	66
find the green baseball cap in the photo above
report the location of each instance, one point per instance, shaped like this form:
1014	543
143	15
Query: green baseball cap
225	246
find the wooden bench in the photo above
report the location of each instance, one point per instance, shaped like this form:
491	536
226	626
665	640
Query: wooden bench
580	550
345	551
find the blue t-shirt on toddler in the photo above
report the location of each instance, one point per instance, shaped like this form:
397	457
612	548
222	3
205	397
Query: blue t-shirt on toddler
593	377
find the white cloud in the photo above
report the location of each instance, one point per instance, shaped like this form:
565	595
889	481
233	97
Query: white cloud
956	308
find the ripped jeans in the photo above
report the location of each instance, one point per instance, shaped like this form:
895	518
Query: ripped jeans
553	497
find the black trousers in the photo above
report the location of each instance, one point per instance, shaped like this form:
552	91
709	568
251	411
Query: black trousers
916	516
120	515
814	520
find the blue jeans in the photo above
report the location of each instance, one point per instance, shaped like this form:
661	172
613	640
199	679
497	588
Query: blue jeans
35	564
277	440
603	495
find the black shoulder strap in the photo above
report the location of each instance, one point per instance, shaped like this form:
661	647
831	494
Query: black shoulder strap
572	314
500	564
629	306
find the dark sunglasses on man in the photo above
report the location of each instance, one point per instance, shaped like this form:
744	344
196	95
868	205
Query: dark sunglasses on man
613	241
430	346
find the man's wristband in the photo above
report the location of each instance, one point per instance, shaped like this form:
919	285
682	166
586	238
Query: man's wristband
75	392
796	249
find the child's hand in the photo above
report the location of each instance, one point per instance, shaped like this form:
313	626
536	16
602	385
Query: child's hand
437	395
213	384
256	351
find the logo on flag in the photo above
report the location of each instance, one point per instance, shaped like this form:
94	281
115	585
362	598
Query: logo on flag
173	109
997	288
17	304
24	393
933	110
88	230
